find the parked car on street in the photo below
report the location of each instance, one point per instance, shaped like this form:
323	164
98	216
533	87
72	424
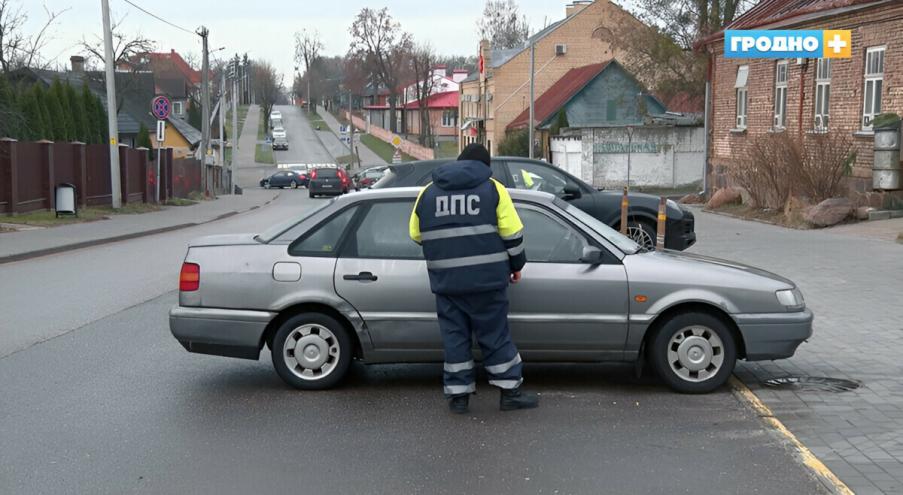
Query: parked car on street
605	205
280	142
328	181
284	178
365	178
279	132
344	282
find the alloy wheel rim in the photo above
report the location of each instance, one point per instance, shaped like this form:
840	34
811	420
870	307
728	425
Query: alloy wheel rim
311	352
639	235
695	353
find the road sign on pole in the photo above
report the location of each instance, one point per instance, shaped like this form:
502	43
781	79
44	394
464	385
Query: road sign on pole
161	107
161	131
396	157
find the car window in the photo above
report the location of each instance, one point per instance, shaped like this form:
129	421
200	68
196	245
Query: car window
324	239
548	239
327	172
526	175
383	233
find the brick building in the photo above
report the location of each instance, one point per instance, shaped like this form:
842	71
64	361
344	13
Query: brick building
489	102
754	97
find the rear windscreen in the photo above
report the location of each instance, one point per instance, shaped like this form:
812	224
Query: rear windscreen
327	173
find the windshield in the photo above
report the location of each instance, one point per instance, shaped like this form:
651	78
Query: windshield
327	173
274	231
620	241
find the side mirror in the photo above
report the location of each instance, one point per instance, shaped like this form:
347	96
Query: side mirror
571	192
592	255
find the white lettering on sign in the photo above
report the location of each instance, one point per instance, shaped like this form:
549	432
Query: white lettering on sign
457	204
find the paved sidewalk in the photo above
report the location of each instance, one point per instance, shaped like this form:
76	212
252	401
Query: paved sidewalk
886	230
853	284
368	157
32	243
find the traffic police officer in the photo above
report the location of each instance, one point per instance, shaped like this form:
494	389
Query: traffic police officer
473	244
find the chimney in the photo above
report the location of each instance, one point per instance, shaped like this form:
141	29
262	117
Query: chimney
576	6
485	59
78	63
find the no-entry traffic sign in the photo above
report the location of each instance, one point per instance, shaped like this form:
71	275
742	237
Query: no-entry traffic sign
160	107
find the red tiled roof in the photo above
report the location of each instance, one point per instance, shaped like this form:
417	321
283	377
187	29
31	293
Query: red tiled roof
560	93
684	102
448	99
193	76
769	12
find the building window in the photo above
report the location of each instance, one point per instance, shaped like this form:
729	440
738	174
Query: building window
449	118
177	107
740	86
780	95
822	93
874	83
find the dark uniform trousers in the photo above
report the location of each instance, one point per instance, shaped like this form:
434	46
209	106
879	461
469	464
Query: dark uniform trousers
485	316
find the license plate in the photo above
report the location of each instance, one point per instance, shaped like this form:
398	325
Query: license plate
327	185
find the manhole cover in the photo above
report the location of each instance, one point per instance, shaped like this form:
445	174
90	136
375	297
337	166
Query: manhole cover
819	383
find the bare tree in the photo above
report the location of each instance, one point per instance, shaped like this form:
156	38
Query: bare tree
129	51
307	50
267	87
423	59
502	25
18	49
378	42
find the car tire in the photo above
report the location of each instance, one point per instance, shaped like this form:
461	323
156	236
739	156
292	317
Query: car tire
294	185
327	351
266	185
311	194
643	233
693	352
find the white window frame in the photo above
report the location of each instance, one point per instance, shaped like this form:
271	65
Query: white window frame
781	68
873	86
822	103
448	118
178	108
742	95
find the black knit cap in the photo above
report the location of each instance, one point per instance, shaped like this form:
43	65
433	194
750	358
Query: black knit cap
475	151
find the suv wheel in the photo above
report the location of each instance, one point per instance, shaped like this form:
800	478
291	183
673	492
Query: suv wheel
693	352
642	233
312	351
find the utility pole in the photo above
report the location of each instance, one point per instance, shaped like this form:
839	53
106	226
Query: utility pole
205	108
113	125
532	94
235	135
222	124
351	125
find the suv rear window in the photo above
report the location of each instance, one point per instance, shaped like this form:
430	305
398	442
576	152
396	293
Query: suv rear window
327	172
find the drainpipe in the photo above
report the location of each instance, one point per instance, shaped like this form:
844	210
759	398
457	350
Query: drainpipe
707	126
803	67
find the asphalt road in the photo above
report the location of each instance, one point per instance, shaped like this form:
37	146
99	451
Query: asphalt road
303	144
97	397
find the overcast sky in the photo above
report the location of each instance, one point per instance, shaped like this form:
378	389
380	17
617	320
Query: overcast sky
265	28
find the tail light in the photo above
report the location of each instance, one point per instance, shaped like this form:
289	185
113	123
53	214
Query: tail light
313	175
190	277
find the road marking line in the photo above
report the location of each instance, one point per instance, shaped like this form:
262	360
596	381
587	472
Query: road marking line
805	455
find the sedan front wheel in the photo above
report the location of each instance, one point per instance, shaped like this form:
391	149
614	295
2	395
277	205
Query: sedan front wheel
312	351
694	352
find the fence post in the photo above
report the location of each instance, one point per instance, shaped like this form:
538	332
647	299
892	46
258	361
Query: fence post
13	176
662	221
47	164
80	165
124	172
146	194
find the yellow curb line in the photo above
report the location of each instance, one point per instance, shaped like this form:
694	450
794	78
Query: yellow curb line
805	455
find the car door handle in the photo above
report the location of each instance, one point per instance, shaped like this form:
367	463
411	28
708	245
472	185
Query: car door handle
362	276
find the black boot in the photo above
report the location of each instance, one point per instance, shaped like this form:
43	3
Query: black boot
513	399
459	404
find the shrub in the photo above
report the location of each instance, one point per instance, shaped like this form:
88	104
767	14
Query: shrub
516	143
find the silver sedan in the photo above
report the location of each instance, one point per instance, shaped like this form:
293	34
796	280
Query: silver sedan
345	282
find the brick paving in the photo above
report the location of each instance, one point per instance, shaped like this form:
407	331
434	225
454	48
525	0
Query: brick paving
854	284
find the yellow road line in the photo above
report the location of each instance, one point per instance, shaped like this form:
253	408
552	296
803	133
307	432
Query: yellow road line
806	456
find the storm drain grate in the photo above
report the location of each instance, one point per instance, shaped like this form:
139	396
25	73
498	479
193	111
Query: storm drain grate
817	383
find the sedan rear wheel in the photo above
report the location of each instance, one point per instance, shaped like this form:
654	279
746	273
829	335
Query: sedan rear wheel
694	352
312	351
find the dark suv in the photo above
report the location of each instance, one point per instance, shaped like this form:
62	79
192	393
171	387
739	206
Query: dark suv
605	205
328	181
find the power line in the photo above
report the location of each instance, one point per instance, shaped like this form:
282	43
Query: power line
158	17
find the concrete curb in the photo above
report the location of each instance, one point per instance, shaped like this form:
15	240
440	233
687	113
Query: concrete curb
806	457
134	235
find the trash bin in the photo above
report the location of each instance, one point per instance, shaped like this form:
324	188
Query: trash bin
65	199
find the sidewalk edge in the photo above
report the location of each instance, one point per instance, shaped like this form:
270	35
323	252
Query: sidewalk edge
124	237
809	460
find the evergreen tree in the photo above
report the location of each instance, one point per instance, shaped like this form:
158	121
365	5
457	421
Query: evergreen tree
103	128
77	110
143	138
195	116
39	119
90	103
9	111
51	113
66	129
